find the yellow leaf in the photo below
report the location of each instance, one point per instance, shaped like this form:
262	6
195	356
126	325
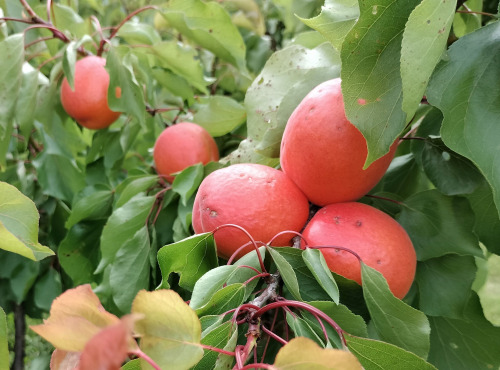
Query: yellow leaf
170	330
303	353
75	317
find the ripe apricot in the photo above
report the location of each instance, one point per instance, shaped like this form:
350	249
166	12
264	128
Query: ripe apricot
87	104
261	199
378	239
324	153
182	145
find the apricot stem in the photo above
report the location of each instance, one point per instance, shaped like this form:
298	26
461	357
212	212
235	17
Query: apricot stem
16	20
30	11
305	306
384	198
275	318
49	8
259	365
128	17
286	232
215	349
145	357
261	262
336	247
273	335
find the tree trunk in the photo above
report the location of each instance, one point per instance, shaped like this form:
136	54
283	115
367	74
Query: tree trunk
20	341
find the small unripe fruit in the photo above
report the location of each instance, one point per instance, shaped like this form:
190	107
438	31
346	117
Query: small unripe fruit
377	238
261	199
324	153
182	145
87	104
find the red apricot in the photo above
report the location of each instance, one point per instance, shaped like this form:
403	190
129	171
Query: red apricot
261	199
182	145
87	104
377	238
324	153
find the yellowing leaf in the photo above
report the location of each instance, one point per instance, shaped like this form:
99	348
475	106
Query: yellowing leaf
75	317
170	332
108	349
62	360
303	353
19	224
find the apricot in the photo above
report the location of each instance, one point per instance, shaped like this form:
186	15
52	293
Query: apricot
377	238
261	199
182	145
87	104
324	153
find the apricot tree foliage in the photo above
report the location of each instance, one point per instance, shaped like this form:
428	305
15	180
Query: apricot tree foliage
117	238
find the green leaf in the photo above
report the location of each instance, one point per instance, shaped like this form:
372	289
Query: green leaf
371	79
69	60
464	88
187	182
130	269
465	344
467	23
335	20
183	61
316	263
132	365
122	225
287	273
214	279
47	288
347	320
219	337
170	331
208	284
375	355
121	75
424	41
309	288
26	100
445	284
90	204
224	361
133	185
451	173
191	258
219	115
11	63
19	224
301	328
287	77
225	299
394	321
65	18
78	252
59	175
139	33
4	345
487	220
210	26
403	177
20	272
174	83
438	225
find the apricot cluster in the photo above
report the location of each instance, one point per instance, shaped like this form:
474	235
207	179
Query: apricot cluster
322	158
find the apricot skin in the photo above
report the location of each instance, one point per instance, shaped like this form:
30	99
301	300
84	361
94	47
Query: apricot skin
377	238
258	198
87	104
182	145
324	153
